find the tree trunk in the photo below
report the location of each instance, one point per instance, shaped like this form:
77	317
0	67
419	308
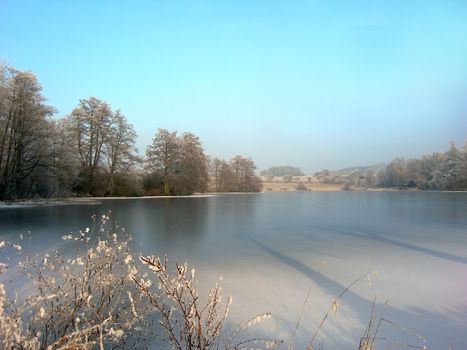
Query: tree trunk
166	182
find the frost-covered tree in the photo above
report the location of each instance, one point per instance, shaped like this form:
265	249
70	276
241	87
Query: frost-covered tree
191	168
89	127
119	149
65	162
180	162
162	156
244	170
104	144
24	132
438	171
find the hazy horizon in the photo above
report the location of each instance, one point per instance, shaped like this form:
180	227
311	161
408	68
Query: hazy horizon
313	85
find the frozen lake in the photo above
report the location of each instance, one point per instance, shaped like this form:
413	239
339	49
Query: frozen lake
270	248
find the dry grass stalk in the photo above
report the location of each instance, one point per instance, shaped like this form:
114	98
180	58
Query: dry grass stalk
302	310
334	307
371	331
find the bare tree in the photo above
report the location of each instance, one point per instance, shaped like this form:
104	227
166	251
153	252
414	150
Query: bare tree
370	178
24	130
396	173
89	127
215	167
162	155
119	149
191	167
244	170
64	162
227	178
180	160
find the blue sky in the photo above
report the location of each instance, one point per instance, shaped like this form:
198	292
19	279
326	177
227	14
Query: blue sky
315	84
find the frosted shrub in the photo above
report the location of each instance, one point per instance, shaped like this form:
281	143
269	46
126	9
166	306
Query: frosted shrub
81	302
12	334
187	323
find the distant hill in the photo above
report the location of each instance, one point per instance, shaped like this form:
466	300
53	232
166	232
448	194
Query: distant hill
362	169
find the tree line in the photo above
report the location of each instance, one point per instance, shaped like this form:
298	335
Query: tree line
91	151
441	171
445	171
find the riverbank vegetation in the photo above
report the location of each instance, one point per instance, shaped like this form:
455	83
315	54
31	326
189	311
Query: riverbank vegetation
440	171
91	151
445	171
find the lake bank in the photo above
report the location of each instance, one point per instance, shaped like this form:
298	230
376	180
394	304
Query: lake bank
278	186
267	188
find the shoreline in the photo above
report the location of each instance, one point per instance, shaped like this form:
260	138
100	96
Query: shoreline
24	203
